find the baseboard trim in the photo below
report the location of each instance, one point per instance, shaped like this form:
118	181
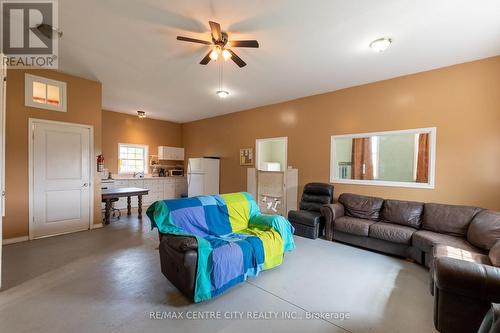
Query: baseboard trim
14	240
97	226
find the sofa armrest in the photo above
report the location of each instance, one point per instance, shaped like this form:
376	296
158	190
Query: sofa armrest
277	222
180	243
331	212
467	278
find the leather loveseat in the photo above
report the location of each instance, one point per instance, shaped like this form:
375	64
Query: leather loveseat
208	244
460	245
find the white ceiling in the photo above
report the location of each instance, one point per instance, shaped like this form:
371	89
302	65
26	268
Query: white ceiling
306	48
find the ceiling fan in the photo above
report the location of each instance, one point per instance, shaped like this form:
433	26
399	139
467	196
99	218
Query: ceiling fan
221	46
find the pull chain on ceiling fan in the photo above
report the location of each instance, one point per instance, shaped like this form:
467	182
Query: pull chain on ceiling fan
222	93
221	46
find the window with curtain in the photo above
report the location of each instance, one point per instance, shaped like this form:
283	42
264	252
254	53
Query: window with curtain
362	159
132	158
404	158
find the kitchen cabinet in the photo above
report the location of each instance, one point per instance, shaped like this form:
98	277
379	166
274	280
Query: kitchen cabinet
169	190
170	153
180	189
155	188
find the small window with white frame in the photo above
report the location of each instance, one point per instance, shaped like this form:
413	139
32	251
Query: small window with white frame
132	158
44	93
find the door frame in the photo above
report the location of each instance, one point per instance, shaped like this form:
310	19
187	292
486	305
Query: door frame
92	169
257	150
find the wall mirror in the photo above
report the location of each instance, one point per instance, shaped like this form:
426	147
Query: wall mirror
395	158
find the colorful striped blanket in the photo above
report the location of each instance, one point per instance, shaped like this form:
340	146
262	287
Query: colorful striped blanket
234	239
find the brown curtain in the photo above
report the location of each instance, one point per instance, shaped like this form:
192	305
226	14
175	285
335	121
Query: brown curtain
423	158
362	165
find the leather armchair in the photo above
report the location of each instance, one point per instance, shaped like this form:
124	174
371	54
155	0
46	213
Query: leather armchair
309	221
179	260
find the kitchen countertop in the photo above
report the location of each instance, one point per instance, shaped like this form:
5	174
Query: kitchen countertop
118	177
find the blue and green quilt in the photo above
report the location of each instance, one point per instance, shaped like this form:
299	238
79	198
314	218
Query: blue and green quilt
234	239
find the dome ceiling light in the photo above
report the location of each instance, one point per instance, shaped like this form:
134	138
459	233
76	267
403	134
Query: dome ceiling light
381	44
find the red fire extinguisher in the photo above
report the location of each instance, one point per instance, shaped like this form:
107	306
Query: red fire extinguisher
100	163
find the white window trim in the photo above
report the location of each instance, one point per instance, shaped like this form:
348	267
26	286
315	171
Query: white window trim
146	155
28	93
432	160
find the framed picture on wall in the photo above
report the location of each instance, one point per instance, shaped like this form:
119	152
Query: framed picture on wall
246	156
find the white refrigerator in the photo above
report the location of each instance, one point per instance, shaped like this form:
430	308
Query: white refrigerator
203	176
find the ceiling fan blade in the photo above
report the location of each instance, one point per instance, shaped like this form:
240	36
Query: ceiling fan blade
237	59
244	43
206	59
216	33
193	40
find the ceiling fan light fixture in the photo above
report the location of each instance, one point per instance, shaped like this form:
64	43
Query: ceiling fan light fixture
222	93
226	54
141	114
381	44
214	55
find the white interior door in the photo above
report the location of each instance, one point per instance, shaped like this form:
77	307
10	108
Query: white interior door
61	178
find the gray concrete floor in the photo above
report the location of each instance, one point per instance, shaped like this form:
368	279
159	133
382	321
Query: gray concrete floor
109	280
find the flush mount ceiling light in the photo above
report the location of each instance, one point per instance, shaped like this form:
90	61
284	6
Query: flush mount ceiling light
381	44
141	114
222	93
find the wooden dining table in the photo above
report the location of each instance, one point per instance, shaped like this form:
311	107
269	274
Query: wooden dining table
116	193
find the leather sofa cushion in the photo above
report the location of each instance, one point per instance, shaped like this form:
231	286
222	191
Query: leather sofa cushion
442	251
448	219
484	230
426	240
319	189
311	206
360	206
407	213
352	225
316	195
322	199
304	217
494	254
391	232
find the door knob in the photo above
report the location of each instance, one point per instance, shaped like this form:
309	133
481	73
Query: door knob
85	185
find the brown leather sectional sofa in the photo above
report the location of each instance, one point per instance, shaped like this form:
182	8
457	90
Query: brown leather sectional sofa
460	245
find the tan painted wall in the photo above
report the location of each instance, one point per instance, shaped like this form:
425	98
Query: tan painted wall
84	107
462	101
124	128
